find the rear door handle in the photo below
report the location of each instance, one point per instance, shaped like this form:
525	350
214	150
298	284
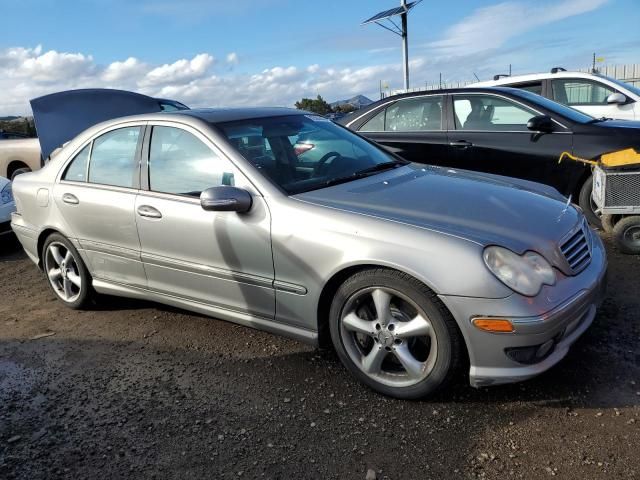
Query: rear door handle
149	211
70	199
461	144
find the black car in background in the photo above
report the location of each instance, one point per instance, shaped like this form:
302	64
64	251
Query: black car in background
497	130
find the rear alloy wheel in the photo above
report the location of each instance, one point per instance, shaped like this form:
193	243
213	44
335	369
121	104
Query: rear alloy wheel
587	204
627	234
392	333
66	272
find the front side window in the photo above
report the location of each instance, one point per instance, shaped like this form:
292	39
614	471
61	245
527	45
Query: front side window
580	92
299	153
182	164
113	158
77	169
480	112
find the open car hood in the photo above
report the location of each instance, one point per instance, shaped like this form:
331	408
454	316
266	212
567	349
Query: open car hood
61	116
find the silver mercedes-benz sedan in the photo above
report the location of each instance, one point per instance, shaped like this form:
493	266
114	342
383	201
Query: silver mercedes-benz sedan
410	271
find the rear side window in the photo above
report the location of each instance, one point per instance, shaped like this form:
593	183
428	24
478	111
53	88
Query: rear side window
77	169
408	115
580	92
181	164
113	158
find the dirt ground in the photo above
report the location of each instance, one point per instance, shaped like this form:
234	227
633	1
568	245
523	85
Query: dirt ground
138	390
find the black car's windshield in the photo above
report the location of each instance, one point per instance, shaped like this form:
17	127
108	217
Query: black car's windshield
562	110
306	152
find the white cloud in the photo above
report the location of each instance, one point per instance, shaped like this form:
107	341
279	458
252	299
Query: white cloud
492	26
120	71
182	70
232	58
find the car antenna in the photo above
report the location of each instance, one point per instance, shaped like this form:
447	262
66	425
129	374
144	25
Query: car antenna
474	74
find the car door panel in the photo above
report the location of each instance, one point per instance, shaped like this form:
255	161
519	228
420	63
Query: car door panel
217	258
480	142
103	222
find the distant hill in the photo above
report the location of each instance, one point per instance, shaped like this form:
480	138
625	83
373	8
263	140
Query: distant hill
23	125
358	101
9	118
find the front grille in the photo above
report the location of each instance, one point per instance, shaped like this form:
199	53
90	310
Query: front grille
577	249
622	189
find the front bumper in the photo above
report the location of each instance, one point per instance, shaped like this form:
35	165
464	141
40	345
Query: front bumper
557	316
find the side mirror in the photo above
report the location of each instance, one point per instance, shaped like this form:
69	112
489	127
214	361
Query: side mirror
225	199
540	123
617	98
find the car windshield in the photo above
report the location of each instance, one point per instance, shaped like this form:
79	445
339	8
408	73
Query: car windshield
562	110
300	153
628	86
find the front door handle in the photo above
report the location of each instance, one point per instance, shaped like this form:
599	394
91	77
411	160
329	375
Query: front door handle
70	199
149	211
461	144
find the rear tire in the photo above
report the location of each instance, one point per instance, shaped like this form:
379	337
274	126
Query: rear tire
66	273
587	204
627	234
394	335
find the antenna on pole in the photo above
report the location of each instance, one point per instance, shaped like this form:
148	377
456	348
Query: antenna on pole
401	30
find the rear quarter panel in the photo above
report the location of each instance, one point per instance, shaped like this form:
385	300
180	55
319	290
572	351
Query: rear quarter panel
24	150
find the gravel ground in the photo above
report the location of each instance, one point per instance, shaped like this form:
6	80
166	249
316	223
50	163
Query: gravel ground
137	390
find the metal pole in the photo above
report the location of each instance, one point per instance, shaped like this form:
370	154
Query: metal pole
405	46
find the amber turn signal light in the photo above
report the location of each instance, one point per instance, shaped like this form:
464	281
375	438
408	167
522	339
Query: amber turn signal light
495	325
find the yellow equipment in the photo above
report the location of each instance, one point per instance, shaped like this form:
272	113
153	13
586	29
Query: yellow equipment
621	158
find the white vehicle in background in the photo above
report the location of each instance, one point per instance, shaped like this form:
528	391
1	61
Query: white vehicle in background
591	93
7	206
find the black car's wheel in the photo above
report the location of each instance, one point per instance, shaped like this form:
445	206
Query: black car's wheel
587	204
19	171
627	234
66	272
609	221
394	335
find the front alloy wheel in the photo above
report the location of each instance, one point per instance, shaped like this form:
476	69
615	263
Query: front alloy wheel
394	334
388	336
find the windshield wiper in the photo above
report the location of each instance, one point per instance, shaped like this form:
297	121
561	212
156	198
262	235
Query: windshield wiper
365	172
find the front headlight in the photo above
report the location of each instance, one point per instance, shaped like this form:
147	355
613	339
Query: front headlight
6	194
524	274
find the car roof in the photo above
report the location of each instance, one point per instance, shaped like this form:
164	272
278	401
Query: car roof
536	76
442	92
222	115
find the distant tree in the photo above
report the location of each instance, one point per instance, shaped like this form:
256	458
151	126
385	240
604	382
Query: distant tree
345	108
318	105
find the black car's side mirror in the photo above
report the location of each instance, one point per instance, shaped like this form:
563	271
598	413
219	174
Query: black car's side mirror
225	199
540	123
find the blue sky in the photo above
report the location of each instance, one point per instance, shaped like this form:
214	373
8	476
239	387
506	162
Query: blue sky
210	52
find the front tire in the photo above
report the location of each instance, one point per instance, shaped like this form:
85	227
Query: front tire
627	234
66	273
587	204
394	335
